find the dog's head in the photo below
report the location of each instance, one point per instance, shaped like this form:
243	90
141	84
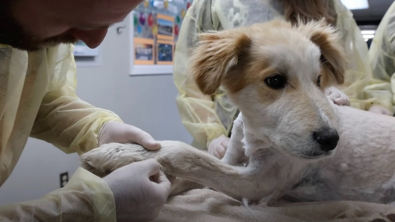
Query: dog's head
276	74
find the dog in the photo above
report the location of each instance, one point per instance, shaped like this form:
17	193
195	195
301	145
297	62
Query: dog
290	141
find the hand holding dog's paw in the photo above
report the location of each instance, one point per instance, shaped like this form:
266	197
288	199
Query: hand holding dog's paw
380	110
218	146
140	190
117	132
337	96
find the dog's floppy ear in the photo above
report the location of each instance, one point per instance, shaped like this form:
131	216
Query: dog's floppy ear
332	55
216	53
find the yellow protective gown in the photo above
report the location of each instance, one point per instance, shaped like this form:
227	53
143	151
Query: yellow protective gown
207	117
37	98
382	55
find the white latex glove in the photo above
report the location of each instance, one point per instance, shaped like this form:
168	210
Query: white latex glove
140	190
337	96
380	110
118	132
218	146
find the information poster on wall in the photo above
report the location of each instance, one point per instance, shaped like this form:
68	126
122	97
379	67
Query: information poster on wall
156	27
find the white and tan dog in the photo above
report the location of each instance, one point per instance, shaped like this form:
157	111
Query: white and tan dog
290	140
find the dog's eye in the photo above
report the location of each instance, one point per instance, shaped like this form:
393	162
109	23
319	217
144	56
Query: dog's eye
319	81
276	81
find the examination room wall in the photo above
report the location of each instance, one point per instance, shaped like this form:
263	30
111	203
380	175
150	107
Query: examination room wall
147	102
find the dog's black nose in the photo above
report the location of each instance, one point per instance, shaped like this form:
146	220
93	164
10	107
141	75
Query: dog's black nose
327	138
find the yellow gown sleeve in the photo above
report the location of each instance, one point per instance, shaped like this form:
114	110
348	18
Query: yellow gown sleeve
63	119
205	117
86	197
382	55
72	125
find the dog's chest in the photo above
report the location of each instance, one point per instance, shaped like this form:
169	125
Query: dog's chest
311	187
328	184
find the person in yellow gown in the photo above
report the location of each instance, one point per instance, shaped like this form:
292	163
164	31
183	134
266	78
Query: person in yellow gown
38	99
382	56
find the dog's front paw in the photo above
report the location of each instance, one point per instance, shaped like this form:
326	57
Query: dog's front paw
109	157
337	96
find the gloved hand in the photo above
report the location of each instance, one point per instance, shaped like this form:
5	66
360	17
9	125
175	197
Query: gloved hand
337	96
118	132
218	146
380	110
140	190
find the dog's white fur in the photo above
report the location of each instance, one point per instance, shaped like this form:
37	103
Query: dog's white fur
273	135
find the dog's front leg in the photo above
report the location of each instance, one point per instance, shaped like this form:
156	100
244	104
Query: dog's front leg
268	174
235	153
177	159
109	157
182	160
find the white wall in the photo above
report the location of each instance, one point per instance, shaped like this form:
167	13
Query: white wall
147	102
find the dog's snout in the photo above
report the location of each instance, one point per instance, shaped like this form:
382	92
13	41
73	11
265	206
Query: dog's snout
327	138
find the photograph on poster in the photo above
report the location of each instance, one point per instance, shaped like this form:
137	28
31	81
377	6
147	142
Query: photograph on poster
143	51
165	27
165	52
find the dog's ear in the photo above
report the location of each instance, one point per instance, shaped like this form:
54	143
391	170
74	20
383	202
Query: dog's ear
216	54
332	55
